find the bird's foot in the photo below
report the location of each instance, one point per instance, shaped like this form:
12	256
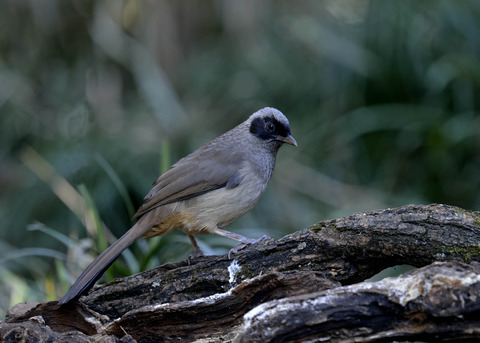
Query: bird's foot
197	253
245	243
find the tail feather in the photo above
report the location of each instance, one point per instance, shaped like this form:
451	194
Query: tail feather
96	269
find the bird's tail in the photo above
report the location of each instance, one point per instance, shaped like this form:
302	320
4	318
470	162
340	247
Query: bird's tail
96	269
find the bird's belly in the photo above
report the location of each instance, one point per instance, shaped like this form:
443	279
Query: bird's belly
219	208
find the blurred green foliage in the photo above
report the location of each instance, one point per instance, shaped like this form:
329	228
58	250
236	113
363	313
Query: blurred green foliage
381	96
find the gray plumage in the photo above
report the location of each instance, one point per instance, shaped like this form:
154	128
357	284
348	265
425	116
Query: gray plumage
204	191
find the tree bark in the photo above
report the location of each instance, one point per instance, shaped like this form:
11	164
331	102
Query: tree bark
301	287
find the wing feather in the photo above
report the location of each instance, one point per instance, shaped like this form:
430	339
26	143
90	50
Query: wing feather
204	170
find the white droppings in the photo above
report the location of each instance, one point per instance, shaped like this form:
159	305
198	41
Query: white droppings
233	270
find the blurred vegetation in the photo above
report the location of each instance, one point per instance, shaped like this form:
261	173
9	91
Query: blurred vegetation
97	98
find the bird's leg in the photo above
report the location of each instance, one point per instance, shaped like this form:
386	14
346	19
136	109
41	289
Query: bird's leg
197	251
235	236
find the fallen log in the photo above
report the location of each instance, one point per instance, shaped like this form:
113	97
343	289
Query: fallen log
214	298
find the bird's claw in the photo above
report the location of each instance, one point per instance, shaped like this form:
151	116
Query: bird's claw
239	247
196	254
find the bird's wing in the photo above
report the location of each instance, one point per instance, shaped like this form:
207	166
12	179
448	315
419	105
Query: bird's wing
204	170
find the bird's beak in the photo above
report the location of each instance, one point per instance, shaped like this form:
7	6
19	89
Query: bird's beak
289	140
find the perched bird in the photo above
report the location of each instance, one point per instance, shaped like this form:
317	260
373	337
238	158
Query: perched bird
204	191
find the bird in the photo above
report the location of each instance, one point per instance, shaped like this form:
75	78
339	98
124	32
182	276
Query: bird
203	192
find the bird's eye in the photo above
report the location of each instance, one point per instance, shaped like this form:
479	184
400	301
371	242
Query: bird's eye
270	127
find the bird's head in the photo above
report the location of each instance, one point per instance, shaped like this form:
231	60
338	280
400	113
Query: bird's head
271	125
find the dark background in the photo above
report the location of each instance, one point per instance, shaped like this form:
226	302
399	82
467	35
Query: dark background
103	96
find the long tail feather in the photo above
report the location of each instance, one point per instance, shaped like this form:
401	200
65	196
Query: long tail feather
96	269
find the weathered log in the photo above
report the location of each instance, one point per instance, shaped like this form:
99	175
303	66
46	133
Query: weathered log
439	302
208	297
